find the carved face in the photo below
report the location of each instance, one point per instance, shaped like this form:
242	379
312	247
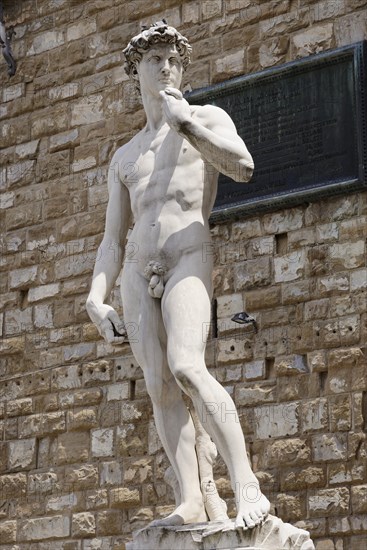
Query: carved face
160	68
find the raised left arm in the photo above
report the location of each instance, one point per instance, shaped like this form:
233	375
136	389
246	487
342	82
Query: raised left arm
212	132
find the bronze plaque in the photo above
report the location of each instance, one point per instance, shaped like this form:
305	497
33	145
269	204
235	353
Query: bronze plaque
305	126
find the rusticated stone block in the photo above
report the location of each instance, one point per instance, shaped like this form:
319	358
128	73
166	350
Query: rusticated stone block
61	503
329	447
290	267
123	497
276	420
87	110
8	532
82	420
316	361
102	442
313	40
340	413
255	395
13	485
229	66
290	364
43	424
83	525
82	477
72	447
109	522
252	274
97	499
44	528
342	473
233	350
359	499
346	357
290	507
22	454
314	415
21	278
42	483
111	473
255	370
289	451
295	480
20	407
330	501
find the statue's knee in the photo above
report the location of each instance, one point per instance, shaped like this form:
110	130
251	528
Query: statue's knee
162	393
187	377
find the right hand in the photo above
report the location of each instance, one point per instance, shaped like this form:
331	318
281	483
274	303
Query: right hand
108	323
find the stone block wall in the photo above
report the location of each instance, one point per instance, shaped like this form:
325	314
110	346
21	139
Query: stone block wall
80	462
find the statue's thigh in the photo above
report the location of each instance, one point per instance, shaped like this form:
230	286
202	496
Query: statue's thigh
144	324
186	311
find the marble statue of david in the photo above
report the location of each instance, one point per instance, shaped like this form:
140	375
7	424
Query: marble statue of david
167	287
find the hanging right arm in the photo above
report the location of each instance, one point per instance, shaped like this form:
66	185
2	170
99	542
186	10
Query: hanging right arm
109	258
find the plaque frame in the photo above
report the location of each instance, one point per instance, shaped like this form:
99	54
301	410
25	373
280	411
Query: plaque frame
356	54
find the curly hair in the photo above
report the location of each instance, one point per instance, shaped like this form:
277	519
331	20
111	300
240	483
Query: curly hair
159	32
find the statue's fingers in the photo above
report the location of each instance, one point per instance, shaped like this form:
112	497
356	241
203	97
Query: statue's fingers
118	340
109	335
116	322
173	92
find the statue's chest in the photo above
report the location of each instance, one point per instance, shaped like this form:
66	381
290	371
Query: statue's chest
156	158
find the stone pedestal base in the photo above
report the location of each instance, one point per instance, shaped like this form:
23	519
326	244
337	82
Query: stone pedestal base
273	534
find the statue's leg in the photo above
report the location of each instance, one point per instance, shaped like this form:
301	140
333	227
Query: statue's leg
173	421
186	315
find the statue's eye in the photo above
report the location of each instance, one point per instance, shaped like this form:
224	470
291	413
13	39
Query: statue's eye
155	58
173	60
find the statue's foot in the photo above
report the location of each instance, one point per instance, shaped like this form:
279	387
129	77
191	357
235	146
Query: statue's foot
252	507
185	513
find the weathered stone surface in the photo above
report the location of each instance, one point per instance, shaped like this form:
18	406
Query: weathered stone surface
110	473
276	420
102	442
8	532
254	395
290	267
290	364
359	499
124	498
72	447
329	447
83	525
82	420
314	415
335	501
346	357
295	480
229	65
82	477
64	502
289	451
22	454
42	424
222	535
255	370
44	528
317	362
313	40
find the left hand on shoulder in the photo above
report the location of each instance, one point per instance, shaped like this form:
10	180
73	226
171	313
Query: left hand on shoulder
175	108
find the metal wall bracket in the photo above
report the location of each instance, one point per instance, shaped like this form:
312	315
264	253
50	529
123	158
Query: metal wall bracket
6	36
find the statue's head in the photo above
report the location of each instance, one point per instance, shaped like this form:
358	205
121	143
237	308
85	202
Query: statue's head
158	33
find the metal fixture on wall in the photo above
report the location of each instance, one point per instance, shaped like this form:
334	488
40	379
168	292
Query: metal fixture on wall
5	39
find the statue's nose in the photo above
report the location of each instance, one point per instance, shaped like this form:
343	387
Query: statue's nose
165	67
